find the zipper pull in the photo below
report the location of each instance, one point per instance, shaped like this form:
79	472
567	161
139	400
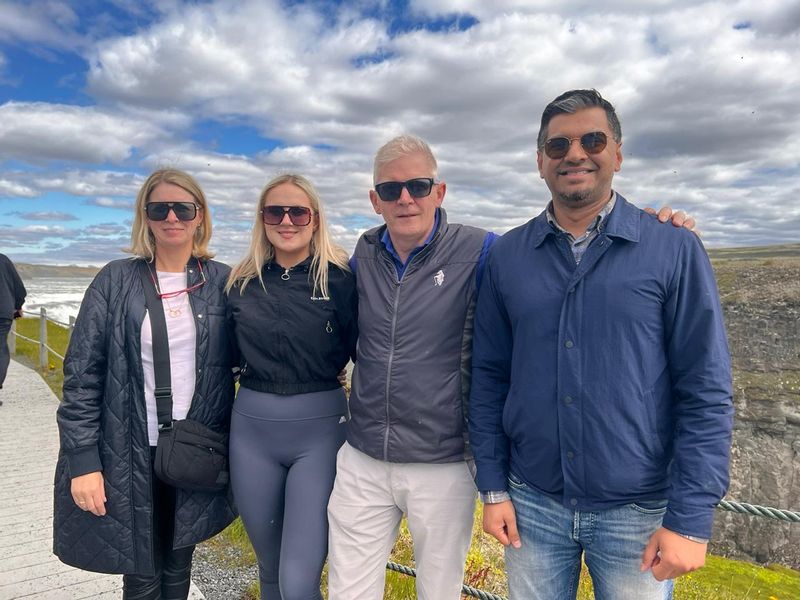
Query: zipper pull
285	275
328	327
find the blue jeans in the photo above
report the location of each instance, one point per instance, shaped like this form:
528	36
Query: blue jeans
553	538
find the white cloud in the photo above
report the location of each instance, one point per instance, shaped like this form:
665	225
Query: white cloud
16	189
706	93
85	182
37	132
45	216
45	22
106	202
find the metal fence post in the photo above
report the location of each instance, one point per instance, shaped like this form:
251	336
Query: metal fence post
12	337
43	338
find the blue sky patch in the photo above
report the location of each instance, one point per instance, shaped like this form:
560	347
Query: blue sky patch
230	138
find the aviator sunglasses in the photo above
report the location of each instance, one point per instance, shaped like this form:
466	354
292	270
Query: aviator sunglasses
158	211
390	191
298	215
558	147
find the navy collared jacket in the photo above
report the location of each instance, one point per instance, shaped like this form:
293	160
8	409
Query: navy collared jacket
608	382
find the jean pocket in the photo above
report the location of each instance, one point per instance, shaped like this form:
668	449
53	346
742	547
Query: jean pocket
650	507
516	482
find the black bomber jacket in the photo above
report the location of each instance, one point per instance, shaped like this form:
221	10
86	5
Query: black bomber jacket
291	339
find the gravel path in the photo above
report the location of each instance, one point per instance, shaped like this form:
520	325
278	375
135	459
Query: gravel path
217	580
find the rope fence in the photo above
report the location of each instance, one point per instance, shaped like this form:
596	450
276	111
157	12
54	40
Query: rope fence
728	505
44	349
51	319
759	511
465	589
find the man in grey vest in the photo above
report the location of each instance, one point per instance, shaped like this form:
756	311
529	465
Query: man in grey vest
407	450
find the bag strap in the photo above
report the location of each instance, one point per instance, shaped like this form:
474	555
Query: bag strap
158	326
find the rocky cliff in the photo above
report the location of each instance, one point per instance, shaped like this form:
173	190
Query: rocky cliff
761	300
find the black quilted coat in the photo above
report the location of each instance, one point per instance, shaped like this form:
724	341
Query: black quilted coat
102	421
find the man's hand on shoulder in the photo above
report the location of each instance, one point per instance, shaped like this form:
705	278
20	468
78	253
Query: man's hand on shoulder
679	218
500	521
671	555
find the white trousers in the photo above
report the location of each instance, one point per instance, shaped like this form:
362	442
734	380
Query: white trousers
368	501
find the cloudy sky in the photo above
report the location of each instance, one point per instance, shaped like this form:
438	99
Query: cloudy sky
95	95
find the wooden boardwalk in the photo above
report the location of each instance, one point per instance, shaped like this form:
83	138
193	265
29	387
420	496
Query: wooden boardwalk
28	451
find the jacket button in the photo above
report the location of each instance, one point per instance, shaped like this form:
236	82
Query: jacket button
568	344
573	501
570	455
199	315
567	399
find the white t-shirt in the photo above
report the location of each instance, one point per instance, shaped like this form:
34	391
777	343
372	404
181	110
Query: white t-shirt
181	335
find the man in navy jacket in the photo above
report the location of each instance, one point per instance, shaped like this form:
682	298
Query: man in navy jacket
601	404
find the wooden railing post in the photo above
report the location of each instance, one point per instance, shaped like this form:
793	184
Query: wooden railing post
12	337
71	327
43	338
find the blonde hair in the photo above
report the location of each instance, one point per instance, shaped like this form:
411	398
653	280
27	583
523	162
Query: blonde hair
143	243
399	147
261	250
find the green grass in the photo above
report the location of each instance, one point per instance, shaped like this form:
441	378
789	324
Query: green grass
28	352
755	252
726	579
720	579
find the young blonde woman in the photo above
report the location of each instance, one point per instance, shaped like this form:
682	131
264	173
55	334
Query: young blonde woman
112	514
293	303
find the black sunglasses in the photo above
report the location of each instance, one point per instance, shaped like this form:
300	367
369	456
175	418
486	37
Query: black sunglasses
158	211
298	215
558	147
390	191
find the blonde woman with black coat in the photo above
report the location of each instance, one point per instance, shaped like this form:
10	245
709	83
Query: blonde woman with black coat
112	514
293	303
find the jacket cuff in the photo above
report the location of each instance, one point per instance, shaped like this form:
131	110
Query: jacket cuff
490	477
696	521
84	460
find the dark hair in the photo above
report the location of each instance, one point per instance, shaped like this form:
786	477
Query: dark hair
571	102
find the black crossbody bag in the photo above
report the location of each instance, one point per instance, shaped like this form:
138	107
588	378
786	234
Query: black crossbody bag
189	455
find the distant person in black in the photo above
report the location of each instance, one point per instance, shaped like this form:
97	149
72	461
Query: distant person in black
12	297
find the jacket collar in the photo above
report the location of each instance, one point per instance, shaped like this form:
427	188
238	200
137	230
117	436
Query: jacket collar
375	235
304	266
193	273
623	222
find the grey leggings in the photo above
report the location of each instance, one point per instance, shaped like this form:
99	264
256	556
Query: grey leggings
283	462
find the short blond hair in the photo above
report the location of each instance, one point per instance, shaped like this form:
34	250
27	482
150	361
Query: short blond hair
143	243
261	250
399	147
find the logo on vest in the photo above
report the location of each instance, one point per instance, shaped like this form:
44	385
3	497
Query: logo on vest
438	279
